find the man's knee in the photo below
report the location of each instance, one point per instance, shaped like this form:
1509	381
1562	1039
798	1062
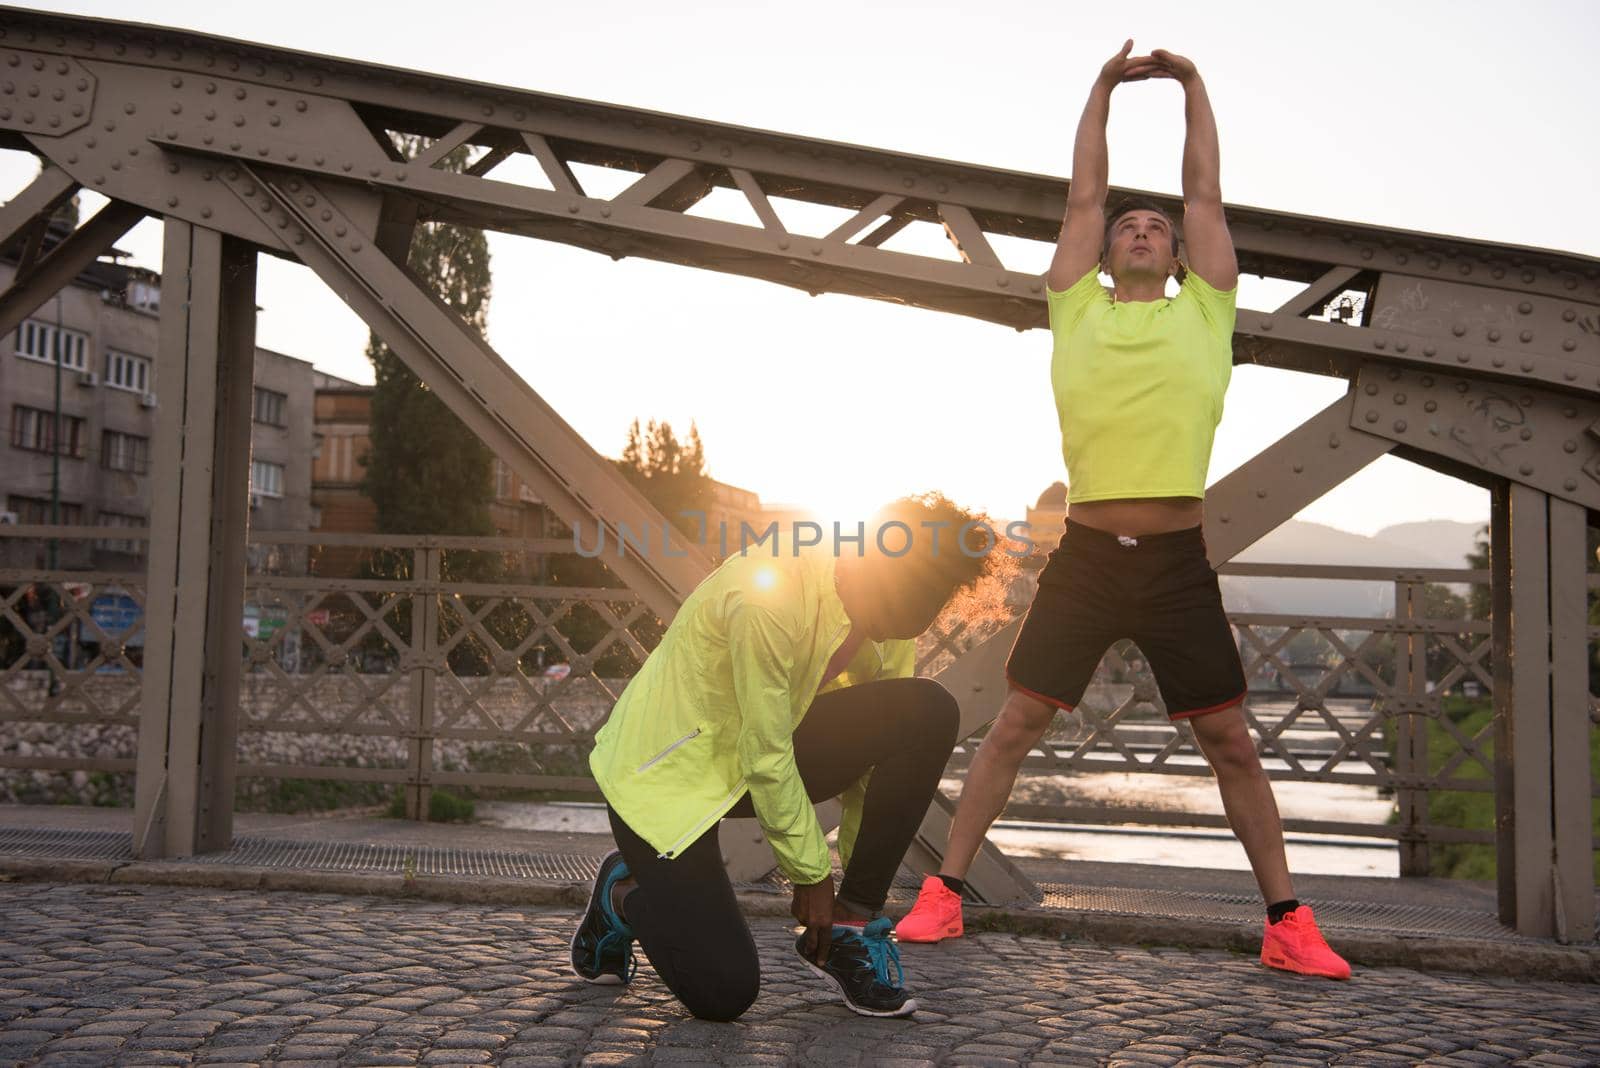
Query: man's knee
1023	719
1227	742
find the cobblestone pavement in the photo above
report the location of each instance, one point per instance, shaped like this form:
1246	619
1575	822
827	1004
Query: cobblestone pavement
156	975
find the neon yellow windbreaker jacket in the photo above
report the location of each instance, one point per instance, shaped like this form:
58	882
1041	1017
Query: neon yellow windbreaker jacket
713	710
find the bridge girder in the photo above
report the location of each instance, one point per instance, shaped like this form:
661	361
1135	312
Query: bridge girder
1473	357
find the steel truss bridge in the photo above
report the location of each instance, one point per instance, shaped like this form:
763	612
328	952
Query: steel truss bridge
1478	360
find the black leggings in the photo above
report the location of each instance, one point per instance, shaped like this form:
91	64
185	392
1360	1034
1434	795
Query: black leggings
684	910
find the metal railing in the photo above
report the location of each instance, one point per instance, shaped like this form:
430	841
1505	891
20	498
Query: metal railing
432	661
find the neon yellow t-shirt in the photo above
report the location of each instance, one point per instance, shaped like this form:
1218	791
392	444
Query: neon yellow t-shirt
1139	387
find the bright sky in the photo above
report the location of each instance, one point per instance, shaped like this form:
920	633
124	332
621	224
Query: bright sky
1461	118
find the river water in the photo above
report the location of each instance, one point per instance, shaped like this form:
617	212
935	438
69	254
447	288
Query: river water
1310	854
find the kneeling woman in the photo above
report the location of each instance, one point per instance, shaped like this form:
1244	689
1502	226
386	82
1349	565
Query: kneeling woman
782	681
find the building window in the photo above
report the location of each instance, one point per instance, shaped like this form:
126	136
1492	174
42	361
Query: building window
266	478
35	511
124	452
34	429
37	341
270	406
126	371
145	295
121	545
502	481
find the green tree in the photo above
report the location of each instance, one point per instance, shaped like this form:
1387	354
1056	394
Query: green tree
670	473
426	472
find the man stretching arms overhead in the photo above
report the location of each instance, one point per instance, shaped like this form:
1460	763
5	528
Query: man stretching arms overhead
1139	380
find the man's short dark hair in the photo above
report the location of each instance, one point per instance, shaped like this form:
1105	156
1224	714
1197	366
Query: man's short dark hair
1123	207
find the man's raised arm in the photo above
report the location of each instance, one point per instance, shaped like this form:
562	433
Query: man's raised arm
1083	229
1205	229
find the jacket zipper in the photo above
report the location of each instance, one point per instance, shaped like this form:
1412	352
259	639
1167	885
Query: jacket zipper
694	832
663	754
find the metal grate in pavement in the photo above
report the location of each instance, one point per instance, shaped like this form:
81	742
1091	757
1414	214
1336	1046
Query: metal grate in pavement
397	859
1408	921
66	845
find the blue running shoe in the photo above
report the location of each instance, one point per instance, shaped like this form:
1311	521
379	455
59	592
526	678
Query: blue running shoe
859	963
602	946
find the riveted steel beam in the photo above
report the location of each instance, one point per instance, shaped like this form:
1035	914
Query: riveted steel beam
1518	431
65	262
1273	486
52	188
1024	204
189	704
474	382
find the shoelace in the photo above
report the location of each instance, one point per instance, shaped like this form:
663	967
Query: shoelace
614	937
882	952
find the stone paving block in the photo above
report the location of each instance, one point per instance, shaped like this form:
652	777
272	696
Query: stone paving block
349	980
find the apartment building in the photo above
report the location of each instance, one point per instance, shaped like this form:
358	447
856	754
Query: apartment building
80	393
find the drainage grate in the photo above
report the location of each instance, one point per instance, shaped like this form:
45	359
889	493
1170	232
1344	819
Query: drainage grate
1411	921
66	845
396	859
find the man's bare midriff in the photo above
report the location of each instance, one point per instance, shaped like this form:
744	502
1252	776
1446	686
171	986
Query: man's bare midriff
1137	516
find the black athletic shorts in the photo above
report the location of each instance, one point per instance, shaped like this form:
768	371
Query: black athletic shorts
1160	591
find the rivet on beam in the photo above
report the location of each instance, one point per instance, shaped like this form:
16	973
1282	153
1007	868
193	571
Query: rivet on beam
1569	445
1430	406
1570	484
1372	389
1400	426
1372	417
1334	441
205	213
1498	361
1494	335
1569	344
1526	469
1429	351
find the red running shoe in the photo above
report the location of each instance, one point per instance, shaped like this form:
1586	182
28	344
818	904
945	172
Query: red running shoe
935	917
1295	945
